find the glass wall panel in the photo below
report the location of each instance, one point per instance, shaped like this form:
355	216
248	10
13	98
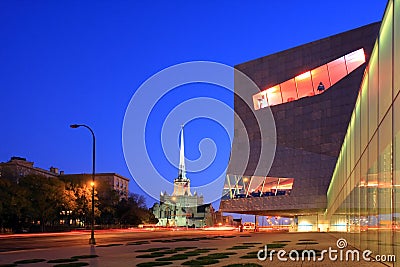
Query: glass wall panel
372	194
396	174
364	113
396	25
351	148
357	130
385	184
356	203
288	90
274	95
354	60
350	205
304	85
348	155
385	63
337	70
363	201
373	84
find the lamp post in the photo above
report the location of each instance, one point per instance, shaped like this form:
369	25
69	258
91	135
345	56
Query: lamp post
92	240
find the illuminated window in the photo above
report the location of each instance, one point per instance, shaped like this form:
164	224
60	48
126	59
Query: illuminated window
289	92
260	100
307	83
304	85
256	186
337	70
321	75
354	59
274	95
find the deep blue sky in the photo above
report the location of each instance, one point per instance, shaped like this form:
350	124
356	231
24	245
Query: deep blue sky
64	62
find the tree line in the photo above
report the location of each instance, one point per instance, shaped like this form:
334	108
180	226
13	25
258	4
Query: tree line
36	203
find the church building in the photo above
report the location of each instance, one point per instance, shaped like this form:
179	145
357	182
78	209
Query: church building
182	208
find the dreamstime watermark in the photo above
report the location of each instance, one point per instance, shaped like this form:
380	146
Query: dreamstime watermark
333	254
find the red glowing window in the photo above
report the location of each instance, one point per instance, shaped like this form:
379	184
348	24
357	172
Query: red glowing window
337	70
311	82
320	75
304	85
289	92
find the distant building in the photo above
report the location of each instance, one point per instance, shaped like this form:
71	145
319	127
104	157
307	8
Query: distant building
221	219
117	182
18	167
182	208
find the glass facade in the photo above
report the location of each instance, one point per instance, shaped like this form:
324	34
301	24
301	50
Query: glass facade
311	82
364	197
256	186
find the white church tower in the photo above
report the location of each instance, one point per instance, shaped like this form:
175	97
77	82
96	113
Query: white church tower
182	183
181	208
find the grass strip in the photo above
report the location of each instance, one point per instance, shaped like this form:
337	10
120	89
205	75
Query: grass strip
85	256
164	240
153	263
307	243
72	264
200	262
152	249
29	261
62	260
183	248
109	245
134	243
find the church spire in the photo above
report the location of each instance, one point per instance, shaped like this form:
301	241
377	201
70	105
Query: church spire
182	168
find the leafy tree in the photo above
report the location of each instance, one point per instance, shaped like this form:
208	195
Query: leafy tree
47	197
107	203
133	211
82	192
13	205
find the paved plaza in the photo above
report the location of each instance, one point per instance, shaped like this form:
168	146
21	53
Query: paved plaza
180	248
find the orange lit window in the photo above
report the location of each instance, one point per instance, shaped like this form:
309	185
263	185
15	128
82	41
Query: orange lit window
321	75
337	70
304	85
289	92
274	95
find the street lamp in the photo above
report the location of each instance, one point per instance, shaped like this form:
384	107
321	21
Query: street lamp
92	240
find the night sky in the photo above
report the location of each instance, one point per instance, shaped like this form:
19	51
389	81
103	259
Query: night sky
64	62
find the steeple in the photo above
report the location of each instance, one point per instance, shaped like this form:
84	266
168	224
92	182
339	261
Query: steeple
182	183
182	168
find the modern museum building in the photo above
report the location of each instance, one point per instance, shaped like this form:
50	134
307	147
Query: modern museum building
336	110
